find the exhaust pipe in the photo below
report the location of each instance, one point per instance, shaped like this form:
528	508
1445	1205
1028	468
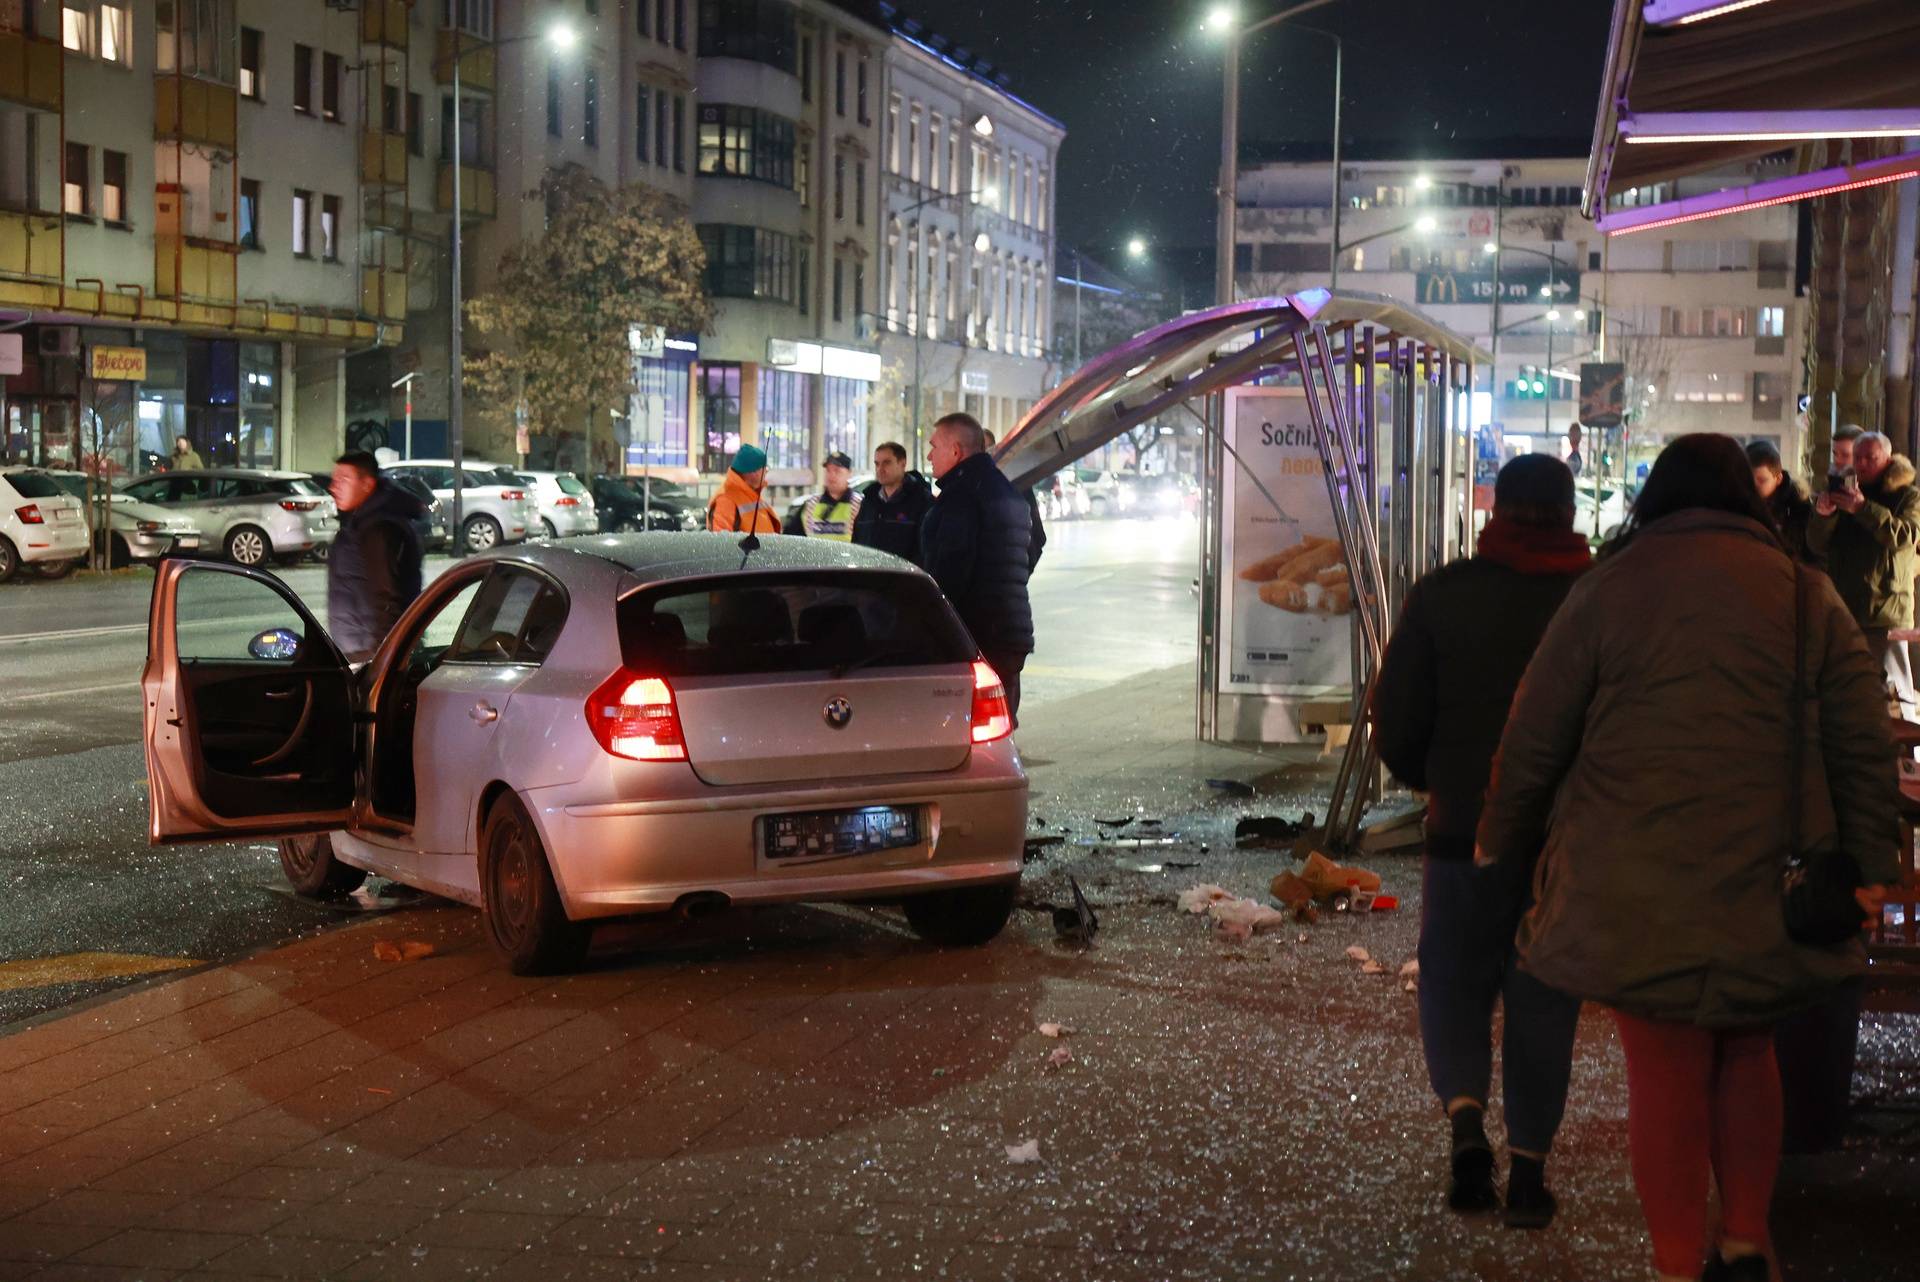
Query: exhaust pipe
700	903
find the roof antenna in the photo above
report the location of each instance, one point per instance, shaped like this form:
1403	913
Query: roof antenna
748	546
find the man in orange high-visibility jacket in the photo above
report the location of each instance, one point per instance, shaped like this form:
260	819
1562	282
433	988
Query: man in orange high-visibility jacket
739	507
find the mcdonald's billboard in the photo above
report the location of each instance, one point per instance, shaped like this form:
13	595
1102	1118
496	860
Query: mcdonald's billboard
1517	285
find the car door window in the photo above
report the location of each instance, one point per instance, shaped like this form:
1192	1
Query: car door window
189	488
516	619
154	491
230	618
436	637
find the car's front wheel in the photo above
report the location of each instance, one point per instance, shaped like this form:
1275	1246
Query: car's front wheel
525	918
9	559
964	917
311	869
546	528
628	525
249	547
481	533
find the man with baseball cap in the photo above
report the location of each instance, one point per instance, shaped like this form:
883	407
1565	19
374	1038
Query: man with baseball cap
830	514
740	507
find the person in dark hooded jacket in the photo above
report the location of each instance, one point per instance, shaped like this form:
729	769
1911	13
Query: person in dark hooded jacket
976	542
1869	534
373	570
1787	501
1466	634
893	505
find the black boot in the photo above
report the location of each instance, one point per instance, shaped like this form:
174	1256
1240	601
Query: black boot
1472	1188
1529	1204
1748	1268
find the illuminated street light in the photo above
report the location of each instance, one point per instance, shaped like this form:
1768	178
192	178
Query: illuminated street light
562	36
1546	291
1426	224
1421	182
1136	248
1553	313
982	243
1489	248
1220	17
1579	313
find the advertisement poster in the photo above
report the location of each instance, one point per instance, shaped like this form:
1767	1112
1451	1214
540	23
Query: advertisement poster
1287	606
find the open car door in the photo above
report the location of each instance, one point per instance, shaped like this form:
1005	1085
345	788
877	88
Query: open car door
248	707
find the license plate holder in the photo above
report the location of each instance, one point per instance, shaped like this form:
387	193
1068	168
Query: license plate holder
839	834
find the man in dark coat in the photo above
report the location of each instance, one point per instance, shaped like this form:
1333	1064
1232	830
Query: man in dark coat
1038	544
893	505
373	570
1439	704
1869	533
1787	500
977	543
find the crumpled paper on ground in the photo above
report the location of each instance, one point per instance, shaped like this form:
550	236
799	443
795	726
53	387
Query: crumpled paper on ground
1023	1153
387	950
1233	917
1054	1030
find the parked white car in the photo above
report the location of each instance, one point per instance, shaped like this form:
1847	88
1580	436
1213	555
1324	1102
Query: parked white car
1105	495
561	499
249	515
42	527
493	510
136	531
562	733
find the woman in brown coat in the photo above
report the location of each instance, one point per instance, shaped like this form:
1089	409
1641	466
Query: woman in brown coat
1649	748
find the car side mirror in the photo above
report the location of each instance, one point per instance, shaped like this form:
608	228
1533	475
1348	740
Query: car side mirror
275	643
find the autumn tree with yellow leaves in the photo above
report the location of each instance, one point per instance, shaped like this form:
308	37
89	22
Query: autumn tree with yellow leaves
555	328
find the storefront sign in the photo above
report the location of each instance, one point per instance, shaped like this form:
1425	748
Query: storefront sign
1517	285
1286	602
975	380
647	341
11	354
783	353
819	358
123	364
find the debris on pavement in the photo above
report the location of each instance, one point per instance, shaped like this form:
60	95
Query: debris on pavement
1054	1030
406	950
1061	1056
1411	970
1358	953
1235	918
1078	923
1232	787
1269	831
1121	822
1023	1153
1372	968
1328	878
1036	846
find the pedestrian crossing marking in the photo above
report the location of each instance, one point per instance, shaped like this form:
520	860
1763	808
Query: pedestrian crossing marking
76	968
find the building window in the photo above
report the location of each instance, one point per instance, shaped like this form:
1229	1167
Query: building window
473	130
1773	322
913	143
414	143
590	109
893	134
839	185
748	262
661	119
250	63
642	102
330	228
754	30
743	142
250	213
862	96
330	86
303	79
680	133
660	411
840	83
113	186
860	193
553	100
680	25
643	16
785	403
803	171
390	108
936	130
844	414
954	184
720	415
859	289
1769	394
803	278
302	222
806	68
194	38
475	17
838	287
76	187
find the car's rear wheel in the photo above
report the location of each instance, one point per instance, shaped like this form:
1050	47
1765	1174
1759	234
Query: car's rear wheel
54	569
964	917
311	869
481	533
525	918
546	528
249	546
629	526
9	559
119	555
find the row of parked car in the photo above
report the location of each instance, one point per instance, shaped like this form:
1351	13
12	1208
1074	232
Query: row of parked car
253	516
1077	492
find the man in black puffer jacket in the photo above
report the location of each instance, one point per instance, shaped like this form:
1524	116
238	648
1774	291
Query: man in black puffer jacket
975	542
373	571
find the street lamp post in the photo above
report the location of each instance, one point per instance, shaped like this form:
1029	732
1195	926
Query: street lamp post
561	37
919	310
1222	18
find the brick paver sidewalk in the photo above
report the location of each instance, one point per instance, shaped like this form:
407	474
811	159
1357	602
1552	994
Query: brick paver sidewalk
811	1093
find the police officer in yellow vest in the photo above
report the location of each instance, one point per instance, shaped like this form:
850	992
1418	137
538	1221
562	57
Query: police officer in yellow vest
830	513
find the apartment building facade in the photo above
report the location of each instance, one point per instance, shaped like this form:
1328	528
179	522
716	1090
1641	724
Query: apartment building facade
1704	315
965	313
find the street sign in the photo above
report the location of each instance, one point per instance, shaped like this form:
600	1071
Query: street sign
977	381
647	341
1603	393
1517	285
11	354
782	352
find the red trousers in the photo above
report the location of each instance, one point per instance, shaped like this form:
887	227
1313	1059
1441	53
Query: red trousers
1698	1101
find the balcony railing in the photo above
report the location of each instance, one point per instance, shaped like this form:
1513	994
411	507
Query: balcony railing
383	293
30	71
30	244
476	190
476	62
383	158
195	110
384	22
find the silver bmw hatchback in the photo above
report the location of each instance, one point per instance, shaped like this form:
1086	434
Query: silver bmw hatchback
613	726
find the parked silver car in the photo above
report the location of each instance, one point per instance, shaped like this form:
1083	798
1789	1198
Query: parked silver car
493	510
136	531
567	732
249	515
565	508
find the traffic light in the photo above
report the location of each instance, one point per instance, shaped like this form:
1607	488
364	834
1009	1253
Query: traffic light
1531	384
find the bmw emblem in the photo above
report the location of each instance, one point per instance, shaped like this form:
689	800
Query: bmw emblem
837	713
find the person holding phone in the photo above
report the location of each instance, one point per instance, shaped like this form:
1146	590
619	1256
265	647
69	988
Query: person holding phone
1867	526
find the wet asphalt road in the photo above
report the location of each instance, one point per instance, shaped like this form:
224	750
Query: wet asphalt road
1111	598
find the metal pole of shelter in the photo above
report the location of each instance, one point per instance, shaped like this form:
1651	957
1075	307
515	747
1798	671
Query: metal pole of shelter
1333	276
456	357
1225	232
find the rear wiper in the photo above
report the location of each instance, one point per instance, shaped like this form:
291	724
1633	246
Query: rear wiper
867	661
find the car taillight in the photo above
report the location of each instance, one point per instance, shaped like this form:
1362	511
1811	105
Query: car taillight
513	496
635	717
992	718
30	514
566	500
299	505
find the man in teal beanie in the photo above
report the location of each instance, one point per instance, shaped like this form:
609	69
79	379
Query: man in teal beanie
739	507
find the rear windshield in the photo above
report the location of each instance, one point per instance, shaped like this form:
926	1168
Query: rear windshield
806	621
34	485
299	485
569	483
